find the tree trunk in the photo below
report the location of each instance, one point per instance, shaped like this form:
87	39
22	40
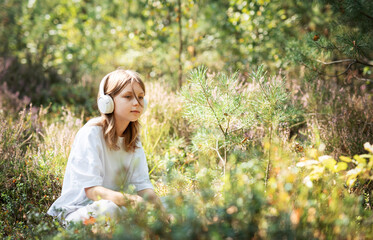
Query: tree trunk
180	44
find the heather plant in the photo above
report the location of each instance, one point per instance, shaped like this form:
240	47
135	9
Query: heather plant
336	55
340	113
11	103
34	151
55	139
26	188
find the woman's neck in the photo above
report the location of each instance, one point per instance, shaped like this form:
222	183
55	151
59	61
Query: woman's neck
120	127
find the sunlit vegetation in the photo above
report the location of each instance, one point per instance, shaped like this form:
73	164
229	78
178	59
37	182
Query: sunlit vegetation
259	124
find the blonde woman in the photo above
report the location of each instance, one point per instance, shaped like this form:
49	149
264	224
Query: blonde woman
107	156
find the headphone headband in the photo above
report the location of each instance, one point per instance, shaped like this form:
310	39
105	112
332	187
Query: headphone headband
102	85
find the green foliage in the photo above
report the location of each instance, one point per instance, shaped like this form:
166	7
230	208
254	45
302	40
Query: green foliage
339	46
337	58
271	104
217	102
237	206
34	154
163	133
54	52
235	213
26	187
204	204
225	107
261	28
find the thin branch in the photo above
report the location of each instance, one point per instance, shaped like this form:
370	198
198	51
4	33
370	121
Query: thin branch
362	79
368	16
222	161
346	60
336	62
364	63
212	109
226	130
235	130
180	44
339	74
348	68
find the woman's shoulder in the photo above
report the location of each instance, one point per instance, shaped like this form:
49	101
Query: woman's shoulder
91	128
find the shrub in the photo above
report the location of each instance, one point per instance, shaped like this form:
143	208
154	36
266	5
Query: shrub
31	167
11	103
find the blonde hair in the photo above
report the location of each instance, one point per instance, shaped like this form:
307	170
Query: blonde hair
115	83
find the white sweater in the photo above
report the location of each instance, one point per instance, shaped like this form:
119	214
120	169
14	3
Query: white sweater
92	163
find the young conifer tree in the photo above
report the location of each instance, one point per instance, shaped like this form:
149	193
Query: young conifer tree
217	104
223	108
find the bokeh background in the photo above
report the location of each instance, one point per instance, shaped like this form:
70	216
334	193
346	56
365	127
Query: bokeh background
259	120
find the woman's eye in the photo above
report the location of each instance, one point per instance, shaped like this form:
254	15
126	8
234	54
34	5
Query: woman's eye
127	96
141	98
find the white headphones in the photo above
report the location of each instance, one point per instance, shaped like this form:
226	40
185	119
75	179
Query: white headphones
105	102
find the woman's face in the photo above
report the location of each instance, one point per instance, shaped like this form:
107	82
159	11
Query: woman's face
126	106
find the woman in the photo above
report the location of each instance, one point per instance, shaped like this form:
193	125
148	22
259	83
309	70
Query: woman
107	156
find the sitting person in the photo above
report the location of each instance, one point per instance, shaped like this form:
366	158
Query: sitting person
107	155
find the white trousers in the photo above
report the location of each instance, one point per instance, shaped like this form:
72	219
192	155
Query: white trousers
105	208
97	209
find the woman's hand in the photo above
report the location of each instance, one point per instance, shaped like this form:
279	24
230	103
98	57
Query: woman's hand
128	200
121	199
151	196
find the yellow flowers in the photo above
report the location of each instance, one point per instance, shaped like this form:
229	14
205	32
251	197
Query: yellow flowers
368	147
345	159
360	166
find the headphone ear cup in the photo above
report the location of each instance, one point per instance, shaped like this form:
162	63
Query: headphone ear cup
105	104
145	105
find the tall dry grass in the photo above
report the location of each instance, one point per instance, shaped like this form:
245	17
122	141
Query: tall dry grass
164	136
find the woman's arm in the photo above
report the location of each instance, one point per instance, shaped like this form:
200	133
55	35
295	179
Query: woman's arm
149	195
121	199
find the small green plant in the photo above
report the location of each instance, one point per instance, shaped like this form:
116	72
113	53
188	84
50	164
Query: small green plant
223	108
217	104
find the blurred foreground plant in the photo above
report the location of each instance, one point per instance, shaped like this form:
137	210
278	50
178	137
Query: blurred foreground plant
356	172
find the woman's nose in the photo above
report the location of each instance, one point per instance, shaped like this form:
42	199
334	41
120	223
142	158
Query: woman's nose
135	101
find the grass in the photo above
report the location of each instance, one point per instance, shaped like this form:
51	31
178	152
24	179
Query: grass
34	146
